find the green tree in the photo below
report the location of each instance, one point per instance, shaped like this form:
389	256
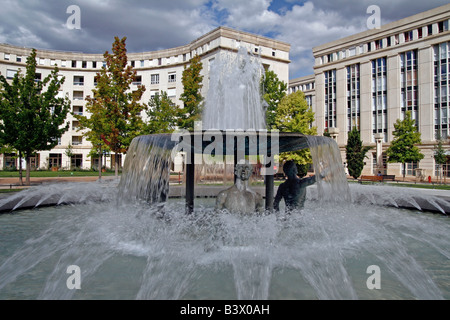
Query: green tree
69	153
273	91
402	149
294	115
161	114
96	132
355	153
32	114
191	96
114	107
439	154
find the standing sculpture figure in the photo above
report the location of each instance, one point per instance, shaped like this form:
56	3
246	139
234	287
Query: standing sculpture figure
293	190
240	198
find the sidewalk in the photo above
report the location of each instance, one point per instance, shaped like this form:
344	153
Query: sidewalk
13	183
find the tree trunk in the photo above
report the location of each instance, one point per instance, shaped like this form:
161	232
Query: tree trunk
404	171
20	169
100	165
28	160
117	165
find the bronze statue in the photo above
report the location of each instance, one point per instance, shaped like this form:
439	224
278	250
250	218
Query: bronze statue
240	198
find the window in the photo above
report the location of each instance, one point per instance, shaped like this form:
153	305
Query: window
37	77
330	98
379	94
41	61
441	90
408	36
84	64
351	52
353	96
410	168
18	59
172	77
441	26
77	140
137	80
78	80
142	63
76	161
409	84
63	63
74	64
430	29
171	93
94	64
7	56
52	62
78	110
159	61
154	79
153	93
55	160
10	73
75	125
78	95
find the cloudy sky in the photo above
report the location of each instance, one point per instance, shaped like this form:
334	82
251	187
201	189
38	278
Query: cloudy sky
160	24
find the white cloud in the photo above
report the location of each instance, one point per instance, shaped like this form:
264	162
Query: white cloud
154	24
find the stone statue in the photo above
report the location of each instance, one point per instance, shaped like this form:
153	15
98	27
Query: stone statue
240	198
293	190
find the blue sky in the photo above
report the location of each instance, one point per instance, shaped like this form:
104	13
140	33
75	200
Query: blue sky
160	24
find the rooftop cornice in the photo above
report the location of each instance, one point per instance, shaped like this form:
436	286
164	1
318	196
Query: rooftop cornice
208	37
388	29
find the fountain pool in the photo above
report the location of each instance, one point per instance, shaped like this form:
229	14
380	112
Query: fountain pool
130	252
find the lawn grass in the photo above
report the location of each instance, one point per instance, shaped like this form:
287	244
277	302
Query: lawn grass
54	174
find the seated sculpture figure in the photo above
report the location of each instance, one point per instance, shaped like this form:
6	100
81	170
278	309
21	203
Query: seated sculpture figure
293	190
240	198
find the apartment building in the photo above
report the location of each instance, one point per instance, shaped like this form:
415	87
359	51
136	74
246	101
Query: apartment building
371	79
157	70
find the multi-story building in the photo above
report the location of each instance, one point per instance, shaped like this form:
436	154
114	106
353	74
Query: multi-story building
371	79
157	70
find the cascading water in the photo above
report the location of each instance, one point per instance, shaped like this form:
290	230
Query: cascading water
125	252
234	100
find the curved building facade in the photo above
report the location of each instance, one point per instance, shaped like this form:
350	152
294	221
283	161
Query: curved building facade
157	70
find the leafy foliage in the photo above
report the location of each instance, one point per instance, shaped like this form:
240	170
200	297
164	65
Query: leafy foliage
294	115
161	114
191	96
115	110
355	153
31	112
402	148
273	91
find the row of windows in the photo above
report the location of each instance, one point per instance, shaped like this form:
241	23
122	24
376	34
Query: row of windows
98	64
302	87
389	41
79	80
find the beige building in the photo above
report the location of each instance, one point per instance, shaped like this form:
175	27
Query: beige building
157	70
370	79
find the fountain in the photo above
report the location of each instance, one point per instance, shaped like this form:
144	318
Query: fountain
134	240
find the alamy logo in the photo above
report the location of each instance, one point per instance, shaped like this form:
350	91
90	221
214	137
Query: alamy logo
374	281
374	21
74	20
74	280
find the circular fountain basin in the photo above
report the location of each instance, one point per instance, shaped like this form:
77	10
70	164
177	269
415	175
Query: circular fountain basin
129	251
